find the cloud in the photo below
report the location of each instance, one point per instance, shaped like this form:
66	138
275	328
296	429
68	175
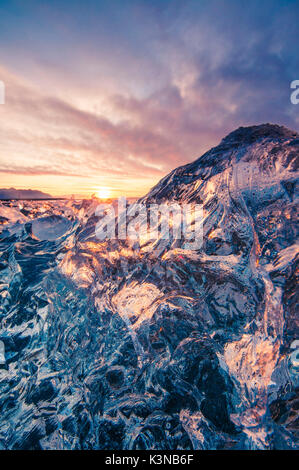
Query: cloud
50	127
138	100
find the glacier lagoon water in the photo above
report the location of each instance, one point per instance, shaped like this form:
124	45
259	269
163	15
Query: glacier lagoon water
113	345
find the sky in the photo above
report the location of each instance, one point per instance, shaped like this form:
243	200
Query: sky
112	95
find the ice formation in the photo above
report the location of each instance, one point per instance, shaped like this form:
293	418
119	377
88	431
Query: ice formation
111	345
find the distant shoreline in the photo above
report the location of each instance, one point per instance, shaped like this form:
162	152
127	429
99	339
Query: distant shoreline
37	199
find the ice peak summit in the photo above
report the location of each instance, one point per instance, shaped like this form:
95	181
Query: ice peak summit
258	154
251	134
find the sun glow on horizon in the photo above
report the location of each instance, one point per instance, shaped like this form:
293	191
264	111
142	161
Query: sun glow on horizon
103	193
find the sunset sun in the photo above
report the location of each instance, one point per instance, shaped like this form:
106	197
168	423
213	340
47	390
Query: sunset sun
103	193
